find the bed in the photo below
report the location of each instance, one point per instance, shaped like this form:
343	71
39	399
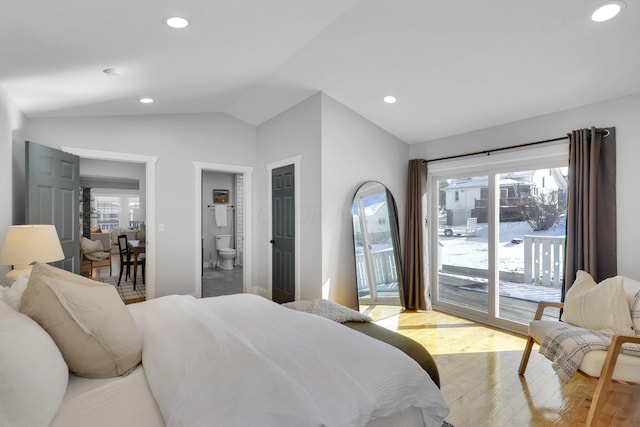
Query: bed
233	360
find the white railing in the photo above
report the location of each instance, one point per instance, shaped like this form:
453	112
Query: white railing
384	269
543	260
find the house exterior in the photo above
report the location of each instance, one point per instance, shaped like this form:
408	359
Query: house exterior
467	197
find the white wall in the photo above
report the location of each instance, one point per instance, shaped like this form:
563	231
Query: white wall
116	169
177	140
11	134
623	113
295	132
354	150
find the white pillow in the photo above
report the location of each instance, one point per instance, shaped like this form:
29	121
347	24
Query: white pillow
90	245
631	288
598	306
635	313
33	375
12	295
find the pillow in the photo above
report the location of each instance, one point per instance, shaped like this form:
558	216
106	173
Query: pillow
635	313
89	245
33	375
87	320
328	309
631	288
598	307
12	295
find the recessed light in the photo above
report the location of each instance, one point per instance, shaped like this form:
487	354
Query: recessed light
111	72
176	22
145	100
390	99
607	10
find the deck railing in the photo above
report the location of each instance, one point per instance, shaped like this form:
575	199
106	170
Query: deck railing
384	269
543	260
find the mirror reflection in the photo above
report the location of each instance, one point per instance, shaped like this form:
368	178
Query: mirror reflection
377	249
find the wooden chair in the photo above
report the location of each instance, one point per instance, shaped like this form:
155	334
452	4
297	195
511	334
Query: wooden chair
127	260
94	255
605	382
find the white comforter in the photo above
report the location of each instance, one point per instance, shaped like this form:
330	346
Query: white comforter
242	360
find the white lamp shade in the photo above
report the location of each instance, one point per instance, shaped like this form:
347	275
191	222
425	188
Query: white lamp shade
26	244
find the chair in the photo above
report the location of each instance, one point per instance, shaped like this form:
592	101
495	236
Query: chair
127	260
619	372
94	254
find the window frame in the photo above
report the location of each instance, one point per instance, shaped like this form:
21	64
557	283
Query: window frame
548	155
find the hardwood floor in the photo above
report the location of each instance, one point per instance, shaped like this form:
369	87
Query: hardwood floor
479	373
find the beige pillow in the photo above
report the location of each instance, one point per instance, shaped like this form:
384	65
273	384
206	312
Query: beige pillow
598	306
87	320
90	245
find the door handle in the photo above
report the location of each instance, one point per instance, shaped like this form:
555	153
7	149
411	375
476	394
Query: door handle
272	241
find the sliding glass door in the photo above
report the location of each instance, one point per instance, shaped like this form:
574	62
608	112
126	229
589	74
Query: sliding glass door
499	242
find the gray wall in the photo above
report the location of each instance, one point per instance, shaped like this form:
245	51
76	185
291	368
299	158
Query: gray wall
11	192
295	132
623	113
354	150
177	141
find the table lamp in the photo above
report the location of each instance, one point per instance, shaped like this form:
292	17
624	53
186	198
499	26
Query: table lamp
25	244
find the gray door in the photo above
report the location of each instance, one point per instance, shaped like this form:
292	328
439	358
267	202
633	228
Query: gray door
53	187
283	240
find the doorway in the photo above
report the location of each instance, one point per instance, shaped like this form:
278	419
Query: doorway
222	233
223	215
149	163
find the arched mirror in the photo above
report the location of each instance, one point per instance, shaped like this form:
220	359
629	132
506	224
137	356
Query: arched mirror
377	249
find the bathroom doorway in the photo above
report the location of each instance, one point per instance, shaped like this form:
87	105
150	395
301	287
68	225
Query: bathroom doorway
224	198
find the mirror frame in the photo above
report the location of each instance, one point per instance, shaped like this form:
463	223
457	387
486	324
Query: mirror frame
394	228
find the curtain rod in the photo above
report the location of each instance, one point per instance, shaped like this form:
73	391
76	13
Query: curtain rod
488	152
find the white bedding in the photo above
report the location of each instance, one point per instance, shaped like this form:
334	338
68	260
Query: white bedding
242	360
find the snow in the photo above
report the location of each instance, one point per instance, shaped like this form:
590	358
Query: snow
473	251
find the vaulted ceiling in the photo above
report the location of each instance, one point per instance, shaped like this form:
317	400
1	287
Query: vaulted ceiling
454	66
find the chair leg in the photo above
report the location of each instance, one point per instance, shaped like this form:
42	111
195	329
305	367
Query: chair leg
525	356
120	276
143	268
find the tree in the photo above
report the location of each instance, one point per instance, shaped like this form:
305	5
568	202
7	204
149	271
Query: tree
542	212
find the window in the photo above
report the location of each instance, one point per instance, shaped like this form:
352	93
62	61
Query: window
112	211
500	251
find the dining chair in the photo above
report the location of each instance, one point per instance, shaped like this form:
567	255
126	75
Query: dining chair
127	260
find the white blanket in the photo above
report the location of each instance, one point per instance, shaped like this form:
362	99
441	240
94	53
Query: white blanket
242	360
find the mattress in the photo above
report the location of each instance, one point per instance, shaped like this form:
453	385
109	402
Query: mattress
119	401
128	402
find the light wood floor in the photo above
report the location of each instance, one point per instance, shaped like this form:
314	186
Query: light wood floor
479	373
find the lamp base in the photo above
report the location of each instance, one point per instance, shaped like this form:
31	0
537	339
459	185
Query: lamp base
18	270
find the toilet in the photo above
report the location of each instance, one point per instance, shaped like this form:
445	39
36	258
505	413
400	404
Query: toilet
226	253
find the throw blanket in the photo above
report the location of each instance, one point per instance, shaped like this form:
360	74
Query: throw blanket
566	345
241	360
329	309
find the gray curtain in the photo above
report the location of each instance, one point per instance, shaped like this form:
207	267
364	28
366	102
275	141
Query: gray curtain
413	271
591	205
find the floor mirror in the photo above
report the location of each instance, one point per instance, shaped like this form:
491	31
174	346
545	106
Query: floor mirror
377	251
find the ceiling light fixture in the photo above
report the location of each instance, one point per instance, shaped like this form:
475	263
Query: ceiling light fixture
607	10
145	100
111	72
390	99
176	22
